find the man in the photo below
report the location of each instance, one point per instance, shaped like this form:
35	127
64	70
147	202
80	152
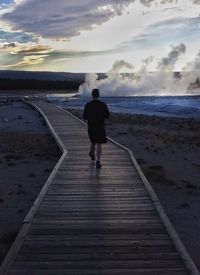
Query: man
96	112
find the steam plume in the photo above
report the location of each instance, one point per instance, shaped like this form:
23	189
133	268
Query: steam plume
167	63
143	83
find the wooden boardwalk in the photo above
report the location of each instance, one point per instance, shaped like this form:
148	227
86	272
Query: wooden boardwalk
95	221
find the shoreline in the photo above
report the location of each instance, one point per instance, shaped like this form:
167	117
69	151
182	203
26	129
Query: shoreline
168	151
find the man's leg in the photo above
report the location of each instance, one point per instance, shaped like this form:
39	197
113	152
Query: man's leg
92	151
99	151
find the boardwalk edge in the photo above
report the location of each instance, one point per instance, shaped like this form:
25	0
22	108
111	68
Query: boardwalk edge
185	256
12	253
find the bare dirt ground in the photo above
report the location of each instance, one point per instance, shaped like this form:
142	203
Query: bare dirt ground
28	154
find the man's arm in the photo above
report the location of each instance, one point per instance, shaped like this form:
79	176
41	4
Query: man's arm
85	113
107	113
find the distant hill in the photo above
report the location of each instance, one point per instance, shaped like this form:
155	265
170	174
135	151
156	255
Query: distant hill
52	76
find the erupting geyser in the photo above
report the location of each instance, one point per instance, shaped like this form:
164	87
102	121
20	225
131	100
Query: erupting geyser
144	83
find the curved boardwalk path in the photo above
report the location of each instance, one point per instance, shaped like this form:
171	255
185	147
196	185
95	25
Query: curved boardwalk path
89	221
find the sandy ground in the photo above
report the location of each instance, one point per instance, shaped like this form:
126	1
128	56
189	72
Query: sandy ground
28	154
168	150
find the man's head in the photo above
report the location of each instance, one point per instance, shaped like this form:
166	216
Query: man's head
95	93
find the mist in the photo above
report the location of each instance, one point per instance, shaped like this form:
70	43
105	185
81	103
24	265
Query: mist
147	84
164	82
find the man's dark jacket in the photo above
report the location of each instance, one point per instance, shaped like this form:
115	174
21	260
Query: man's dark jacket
96	112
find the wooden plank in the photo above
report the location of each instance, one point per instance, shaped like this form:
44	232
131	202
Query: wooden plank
133	251
95	221
121	236
105	182
91	243
98	264
74	271
103	214
49	230
99	255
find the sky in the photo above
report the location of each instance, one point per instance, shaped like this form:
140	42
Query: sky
100	35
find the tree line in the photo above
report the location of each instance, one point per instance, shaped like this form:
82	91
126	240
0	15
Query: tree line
36	84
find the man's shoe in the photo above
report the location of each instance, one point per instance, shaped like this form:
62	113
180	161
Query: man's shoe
92	156
98	164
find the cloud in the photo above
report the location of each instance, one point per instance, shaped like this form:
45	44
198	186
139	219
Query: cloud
24	49
34	49
163	32
18	36
167	63
6	46
64	20
32	60
49	19
5	3
65	55
27	61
